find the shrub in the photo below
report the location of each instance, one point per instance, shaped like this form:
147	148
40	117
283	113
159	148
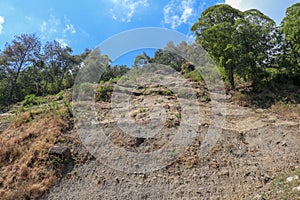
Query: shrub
194	76
103	92
29	100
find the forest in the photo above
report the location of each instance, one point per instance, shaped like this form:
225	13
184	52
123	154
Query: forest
248	47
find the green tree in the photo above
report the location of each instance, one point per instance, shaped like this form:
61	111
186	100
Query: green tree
142	59
243	43
214	32
59	63
171	55
290	27
4	83
93	67
254	40
21	53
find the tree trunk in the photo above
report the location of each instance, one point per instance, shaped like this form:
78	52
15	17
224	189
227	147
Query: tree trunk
13	87
60	82
231	77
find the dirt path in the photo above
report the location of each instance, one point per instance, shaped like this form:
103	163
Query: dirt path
255	146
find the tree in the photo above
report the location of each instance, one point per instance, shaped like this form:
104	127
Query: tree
142	59
214	32
171	55
290	27
240	42
59	63
93	67
4	83
21	53
254	39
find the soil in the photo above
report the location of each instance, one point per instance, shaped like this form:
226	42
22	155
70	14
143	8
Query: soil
255	146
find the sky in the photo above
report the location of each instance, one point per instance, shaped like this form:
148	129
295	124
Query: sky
85	24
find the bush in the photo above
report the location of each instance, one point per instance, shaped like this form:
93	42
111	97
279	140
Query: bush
103	92
194	76
29	100
86	88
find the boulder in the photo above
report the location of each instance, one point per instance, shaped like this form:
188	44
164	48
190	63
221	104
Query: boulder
62	152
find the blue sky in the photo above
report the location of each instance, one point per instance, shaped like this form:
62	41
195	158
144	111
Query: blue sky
85	24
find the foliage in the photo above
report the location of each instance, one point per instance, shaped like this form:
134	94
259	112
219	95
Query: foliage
214	32
240	42
103	92
194	76
28	67
246	46
290	28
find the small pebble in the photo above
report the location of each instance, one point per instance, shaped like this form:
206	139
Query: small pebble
297	188
290	179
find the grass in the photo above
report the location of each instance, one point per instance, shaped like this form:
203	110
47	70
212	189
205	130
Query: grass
194	76
142	110
281	189
24	145
167	92
178	115
287	110
103	92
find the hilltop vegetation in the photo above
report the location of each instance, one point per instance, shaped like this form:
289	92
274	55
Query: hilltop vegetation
248	48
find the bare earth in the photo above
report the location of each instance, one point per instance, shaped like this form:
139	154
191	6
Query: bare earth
255	147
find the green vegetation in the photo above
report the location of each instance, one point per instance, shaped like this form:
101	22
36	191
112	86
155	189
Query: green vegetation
194	75
247	47
103	92
248	44
29	68
280	188
142	110
167	92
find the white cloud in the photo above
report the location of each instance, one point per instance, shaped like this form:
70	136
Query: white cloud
1	23
124	10
63	42
50	26
61	29
275	10
69	28
179	12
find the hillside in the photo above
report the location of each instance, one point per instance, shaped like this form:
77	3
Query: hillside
257	151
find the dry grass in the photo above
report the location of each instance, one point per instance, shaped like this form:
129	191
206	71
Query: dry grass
287	110
24	173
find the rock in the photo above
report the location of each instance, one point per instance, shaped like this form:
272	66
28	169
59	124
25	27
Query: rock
260	110
224	172
284	143
139	141
62	152
297	188
290	179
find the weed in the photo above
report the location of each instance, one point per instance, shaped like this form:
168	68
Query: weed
103	92
193	76
142	110
264	196
167	92
160	101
